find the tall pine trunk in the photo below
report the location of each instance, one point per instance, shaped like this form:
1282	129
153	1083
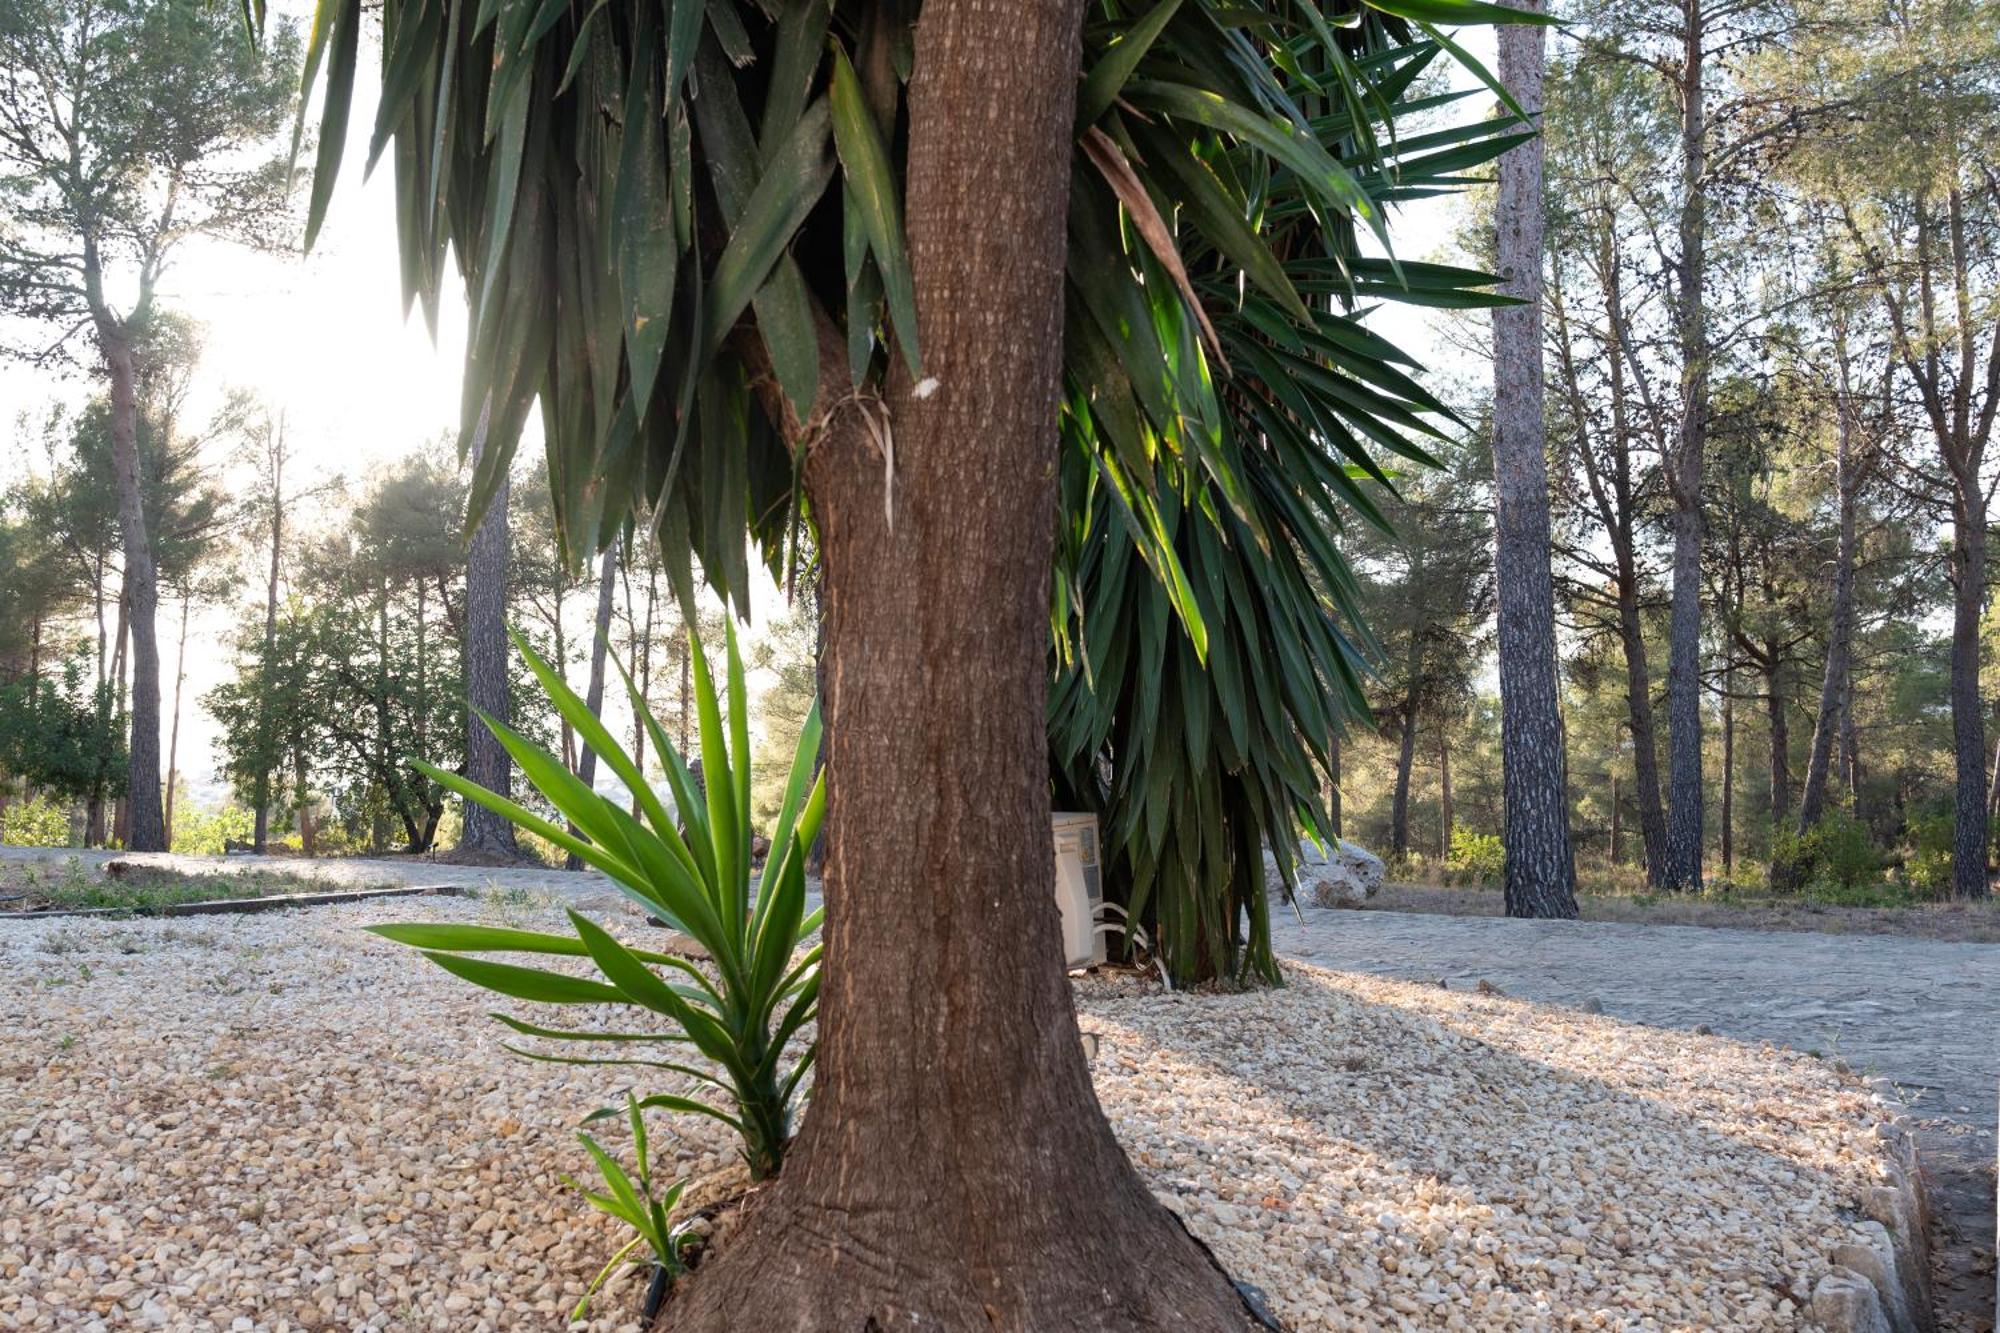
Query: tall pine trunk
1399	804
265	741
1840	631
941	1182
1684	469
1540	876
1968	713
486	762
1780	732
147	830
174	731
593	698
1333	785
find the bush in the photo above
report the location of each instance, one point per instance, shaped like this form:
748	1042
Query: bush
37	823
1927	867
199	832
1476	858
1836	854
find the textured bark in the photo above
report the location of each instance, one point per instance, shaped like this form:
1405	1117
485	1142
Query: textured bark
1444	795
486	763
1968	713
1729	769
1333	784
1684	467
147	831
174	731
1399	804
954	1171
593	697
1780	734
1840	629
1611	493
262	799
1540	876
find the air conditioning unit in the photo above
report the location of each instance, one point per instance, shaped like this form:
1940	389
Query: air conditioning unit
1079	887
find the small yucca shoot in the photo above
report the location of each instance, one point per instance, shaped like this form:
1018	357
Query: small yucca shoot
693	873
635	1206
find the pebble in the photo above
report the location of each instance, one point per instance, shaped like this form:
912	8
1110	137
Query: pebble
278	1121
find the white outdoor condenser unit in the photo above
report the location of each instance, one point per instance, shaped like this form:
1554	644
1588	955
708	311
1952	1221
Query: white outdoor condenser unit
1079	887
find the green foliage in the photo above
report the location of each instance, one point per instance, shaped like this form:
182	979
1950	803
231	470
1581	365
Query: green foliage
199	832
1223	397
690	868
63	737
633	1204
130	126
1928	864
787	651
1479	858
37	823
1836	853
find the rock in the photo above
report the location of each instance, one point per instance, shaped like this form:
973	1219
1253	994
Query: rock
1593	1005
1488	988
1702	1030
1349	878
1846	1302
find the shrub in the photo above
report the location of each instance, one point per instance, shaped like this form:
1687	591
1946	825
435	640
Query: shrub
37	823
743	1018
199	832
1837	853
1476	858
1927	867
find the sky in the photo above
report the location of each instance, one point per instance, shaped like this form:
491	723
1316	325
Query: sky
322	338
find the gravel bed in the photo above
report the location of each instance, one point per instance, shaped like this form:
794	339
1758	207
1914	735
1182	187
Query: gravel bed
278	1122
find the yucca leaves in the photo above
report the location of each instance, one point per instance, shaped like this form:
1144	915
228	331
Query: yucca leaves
657	209
690	867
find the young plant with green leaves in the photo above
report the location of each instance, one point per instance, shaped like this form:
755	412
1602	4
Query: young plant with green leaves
689	866
633	1204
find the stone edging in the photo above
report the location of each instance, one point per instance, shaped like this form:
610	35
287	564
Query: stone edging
1882	1283
221	906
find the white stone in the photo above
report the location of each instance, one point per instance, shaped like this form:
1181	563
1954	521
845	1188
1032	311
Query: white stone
1349	878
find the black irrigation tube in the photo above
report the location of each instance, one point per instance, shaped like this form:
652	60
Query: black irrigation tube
225	906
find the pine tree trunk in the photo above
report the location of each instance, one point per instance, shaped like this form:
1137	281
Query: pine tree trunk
147	831
1444	794
486	762
941	1182
1781	742
1968	713
1399	805
1617	823
1645	735
1333	785
174	732
1840	631
261	831
593	698
1540	875
1729	769
1684	776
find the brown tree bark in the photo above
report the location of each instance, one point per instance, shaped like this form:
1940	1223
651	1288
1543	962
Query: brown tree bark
1444	794
1333	784
1683	462
1833	688
1780	734
486	762
1406	753
593	697
275	459
954	1171
147	830
1540	875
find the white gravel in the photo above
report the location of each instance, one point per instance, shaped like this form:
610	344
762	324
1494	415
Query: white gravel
279	1122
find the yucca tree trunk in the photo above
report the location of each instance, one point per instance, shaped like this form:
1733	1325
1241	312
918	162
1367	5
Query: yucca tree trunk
1540	875
945	1181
